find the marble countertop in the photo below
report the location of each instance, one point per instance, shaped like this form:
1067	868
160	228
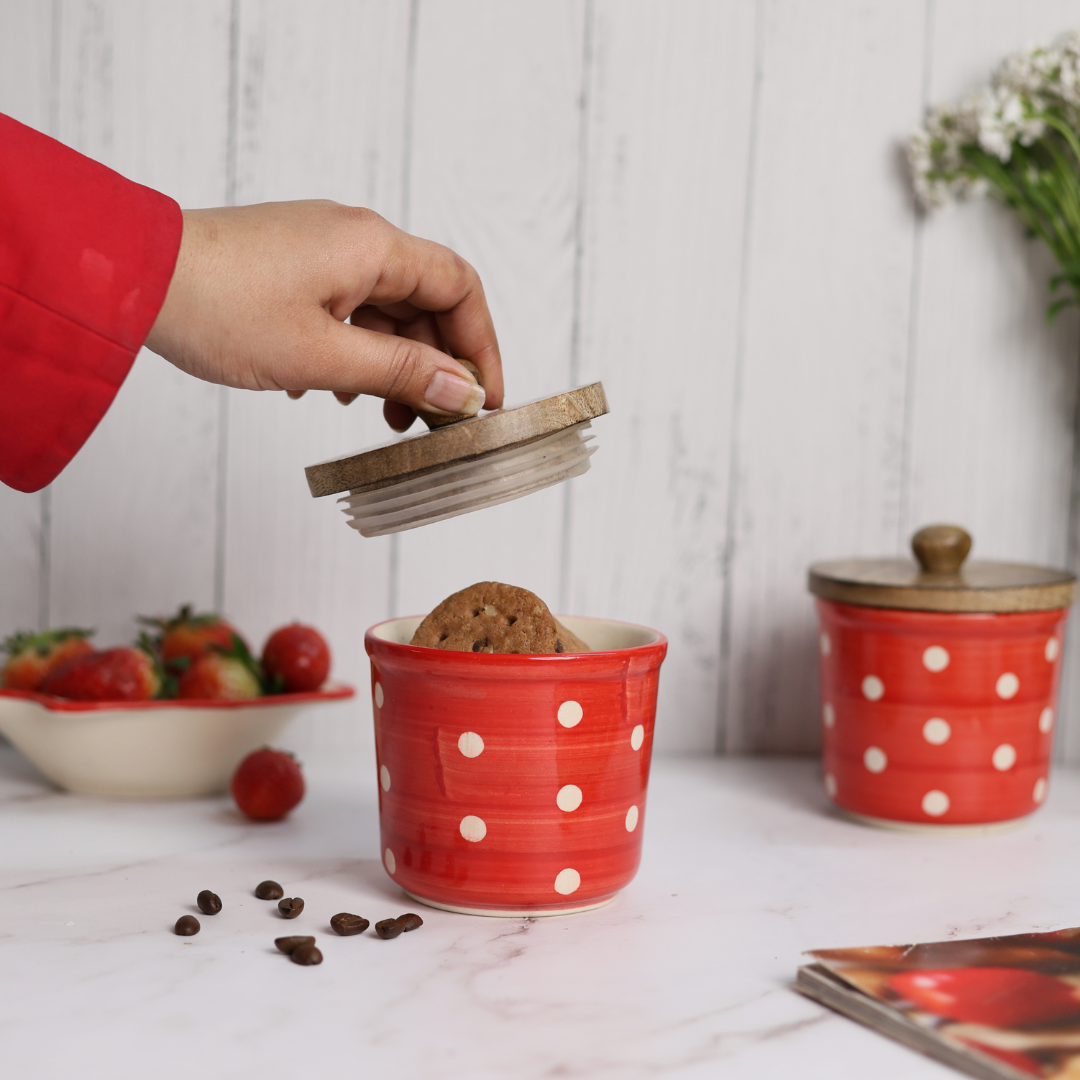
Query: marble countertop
688	973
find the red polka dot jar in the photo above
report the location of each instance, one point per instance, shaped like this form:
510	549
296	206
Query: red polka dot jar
939	683
514	784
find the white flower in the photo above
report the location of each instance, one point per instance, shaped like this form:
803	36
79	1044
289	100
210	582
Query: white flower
1001	117
1010	112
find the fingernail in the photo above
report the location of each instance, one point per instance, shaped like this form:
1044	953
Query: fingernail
448	394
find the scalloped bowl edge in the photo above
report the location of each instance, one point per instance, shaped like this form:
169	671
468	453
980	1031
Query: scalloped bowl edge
147	750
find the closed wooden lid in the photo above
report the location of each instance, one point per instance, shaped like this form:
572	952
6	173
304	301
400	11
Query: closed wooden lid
466	440
939	579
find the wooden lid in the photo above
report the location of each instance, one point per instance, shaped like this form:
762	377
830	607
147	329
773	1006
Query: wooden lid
941	580
466	440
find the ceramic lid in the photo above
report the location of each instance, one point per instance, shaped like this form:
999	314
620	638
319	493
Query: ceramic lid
941	580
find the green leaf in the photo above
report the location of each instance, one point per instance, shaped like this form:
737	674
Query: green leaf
42	642
1053	309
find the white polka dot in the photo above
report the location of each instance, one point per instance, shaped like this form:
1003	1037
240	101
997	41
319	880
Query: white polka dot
391	862
567	881
379	696
826	645
935	658
828	715
569	797
874	759
1004	757
470	744
1052	648
830	785
1046	720
1040	790
472	828
384	777
1007	685
570	713
872	688
631	819
637	737
936	731
935	803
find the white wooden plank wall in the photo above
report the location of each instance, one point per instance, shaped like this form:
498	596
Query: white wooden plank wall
26	92
701	204
817	438
144	88
981	338
495	169
671	104
321	95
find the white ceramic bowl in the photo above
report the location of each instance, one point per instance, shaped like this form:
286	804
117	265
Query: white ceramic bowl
147	749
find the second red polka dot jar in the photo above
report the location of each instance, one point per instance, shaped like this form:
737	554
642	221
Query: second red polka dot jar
514	784
939	683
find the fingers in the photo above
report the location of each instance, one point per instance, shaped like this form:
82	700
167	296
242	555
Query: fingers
356	360
259	293
405	321
410	323
399	417
430	277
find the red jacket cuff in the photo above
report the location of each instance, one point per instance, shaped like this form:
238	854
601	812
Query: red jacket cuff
86	257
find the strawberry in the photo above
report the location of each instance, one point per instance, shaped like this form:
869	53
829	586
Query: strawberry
32	656
222	675
124	674
999	997
186	635
295	659
267	784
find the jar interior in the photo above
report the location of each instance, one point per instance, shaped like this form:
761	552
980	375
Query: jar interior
601	635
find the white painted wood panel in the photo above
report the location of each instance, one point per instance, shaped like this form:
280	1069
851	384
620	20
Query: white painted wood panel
495	175
701	204
26	83
321	115
670	107
144	88
994	386
820	416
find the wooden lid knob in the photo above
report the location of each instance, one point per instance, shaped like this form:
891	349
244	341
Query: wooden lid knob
437	420
941	549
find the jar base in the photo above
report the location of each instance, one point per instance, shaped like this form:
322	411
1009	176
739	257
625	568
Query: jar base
511	913
988	829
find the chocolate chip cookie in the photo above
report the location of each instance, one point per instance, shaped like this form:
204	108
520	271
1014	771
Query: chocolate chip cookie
494	618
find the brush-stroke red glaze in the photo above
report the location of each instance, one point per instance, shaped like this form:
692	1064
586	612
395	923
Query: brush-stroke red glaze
432	795
940	719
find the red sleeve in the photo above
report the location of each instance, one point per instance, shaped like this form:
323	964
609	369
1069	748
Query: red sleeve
86	257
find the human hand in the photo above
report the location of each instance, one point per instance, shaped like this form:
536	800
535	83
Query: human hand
260	295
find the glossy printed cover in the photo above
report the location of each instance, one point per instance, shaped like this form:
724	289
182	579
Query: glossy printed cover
1000	1006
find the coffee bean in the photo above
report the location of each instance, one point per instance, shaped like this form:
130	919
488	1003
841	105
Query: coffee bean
290	907
187	925
346	925
410	921
306	955
209	903
389	928
288	944
269	890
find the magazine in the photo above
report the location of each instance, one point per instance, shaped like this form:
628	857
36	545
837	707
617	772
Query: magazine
1004	1008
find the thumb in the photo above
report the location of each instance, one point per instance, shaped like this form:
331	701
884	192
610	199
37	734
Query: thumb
365	361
